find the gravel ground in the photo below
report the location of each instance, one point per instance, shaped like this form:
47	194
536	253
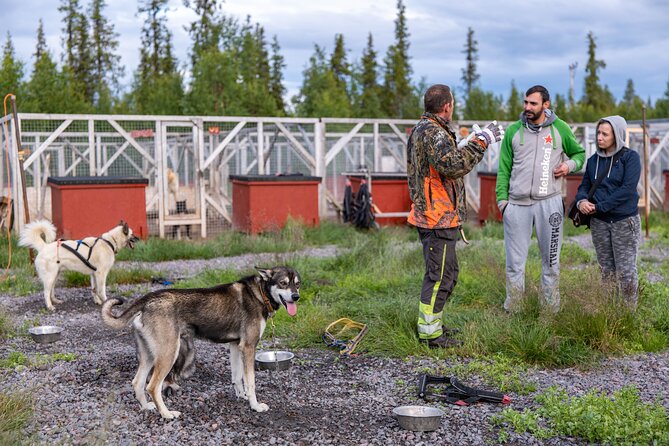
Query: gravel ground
322	399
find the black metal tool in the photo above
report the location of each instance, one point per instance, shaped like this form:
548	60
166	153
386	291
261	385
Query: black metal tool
456	392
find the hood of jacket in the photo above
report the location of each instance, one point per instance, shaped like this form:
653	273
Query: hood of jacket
550	119
619	126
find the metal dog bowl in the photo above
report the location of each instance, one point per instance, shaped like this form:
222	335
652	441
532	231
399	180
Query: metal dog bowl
418	418
274	360
45	333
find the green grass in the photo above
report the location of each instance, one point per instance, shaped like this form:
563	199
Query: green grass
6	325
18	359
294	236
116	276
499	372
15	412
377	282
620	419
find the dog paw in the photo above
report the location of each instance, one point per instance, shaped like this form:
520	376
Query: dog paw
171	414
260	407
171	389
239	391
149	406
97	300
56	301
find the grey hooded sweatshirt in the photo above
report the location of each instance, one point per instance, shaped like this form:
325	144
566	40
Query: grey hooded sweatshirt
528	156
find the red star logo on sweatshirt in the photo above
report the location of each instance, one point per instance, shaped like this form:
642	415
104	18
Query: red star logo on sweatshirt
548	139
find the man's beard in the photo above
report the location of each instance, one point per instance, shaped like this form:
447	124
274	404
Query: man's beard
531	116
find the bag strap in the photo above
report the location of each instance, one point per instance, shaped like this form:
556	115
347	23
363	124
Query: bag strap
599	180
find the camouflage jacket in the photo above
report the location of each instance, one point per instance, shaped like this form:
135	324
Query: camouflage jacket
435	171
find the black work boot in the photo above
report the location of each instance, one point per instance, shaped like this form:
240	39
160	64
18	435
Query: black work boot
449	331
444	341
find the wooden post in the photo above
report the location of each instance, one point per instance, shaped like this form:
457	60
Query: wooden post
17	132
646	168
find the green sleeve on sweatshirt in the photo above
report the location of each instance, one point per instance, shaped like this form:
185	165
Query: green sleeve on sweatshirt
505	162
570	146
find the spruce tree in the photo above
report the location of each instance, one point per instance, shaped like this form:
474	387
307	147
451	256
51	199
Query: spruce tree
338	63
482	105
400	99
597	100
11	71
206	31
215	88
106	69
49	90
255	72
661	109
630	107
368	101
77	57
470	75
158	86
514	105
276	88
320	95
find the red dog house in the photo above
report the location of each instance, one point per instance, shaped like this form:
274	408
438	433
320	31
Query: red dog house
90	206
390	195
264	202
488	209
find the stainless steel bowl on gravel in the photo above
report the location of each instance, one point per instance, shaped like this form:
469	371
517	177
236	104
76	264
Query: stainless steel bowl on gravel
45	333
274	360
418	418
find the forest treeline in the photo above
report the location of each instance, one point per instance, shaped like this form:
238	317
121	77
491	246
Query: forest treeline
234	69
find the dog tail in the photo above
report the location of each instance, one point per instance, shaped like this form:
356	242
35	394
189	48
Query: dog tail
37	234
122	320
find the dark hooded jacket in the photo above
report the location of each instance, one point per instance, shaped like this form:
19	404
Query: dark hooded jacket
616	197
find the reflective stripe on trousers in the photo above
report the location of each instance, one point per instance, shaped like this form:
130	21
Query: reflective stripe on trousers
441	271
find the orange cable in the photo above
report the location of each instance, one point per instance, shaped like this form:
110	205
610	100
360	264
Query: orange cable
9	193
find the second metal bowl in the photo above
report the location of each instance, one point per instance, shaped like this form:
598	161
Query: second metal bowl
45	333
274	360
418	418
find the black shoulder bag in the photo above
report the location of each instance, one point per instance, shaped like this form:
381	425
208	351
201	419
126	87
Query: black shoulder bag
576	216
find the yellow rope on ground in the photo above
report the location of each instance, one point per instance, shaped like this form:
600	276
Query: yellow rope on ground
342	327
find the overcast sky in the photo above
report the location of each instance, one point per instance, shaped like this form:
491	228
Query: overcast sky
529	42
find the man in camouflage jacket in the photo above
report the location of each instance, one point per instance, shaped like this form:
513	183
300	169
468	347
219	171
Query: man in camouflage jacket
435	170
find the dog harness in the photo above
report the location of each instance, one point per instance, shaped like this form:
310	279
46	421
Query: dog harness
75	251
335	340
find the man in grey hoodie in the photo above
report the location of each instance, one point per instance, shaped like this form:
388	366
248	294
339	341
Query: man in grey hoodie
536	153
615	225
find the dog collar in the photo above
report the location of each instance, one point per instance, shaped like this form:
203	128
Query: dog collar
267	302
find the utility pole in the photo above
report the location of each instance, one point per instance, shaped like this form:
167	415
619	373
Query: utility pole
572	75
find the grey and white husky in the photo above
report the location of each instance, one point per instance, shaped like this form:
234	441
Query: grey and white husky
166	321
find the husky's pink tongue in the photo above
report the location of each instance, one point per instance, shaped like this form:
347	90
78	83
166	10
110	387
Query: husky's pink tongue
291	308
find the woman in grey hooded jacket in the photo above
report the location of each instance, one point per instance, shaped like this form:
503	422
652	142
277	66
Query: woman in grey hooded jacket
614	207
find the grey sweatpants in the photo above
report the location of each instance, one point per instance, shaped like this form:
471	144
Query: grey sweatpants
546	217
616	245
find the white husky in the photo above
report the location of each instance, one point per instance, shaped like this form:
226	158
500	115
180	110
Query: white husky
92	255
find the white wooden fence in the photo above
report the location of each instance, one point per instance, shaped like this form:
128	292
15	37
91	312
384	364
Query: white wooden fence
204	151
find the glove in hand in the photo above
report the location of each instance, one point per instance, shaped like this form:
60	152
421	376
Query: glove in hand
464	141
491	133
